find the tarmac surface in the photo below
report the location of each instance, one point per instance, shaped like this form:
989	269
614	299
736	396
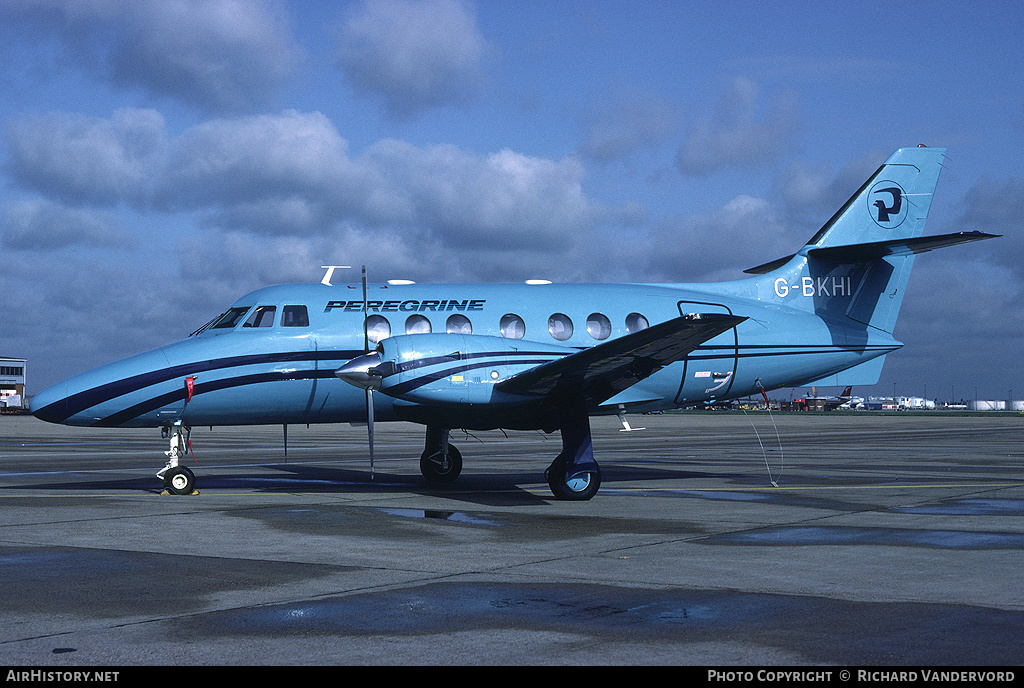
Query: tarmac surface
884	540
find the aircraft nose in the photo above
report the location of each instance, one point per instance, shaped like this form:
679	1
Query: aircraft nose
359	371
51	404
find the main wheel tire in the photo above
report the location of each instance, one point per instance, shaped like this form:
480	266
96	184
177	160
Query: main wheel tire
180	480
579	488
436	470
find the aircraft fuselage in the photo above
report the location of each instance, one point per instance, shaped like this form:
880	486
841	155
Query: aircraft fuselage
271	373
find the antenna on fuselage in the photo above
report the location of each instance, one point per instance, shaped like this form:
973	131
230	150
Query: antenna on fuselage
330	272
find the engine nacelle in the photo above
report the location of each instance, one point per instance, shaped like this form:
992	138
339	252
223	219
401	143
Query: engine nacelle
456	368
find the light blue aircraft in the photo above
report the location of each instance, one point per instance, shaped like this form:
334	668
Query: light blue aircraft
533	356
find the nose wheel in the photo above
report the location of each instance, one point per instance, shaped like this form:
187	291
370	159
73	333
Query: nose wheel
180	480
177	479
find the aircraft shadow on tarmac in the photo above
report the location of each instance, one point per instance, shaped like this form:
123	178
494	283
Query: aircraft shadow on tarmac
500	488
495	489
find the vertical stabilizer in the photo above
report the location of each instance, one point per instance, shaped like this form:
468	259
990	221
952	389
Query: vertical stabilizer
848	272
892	204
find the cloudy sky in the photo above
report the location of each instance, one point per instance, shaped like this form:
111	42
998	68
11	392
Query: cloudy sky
159	159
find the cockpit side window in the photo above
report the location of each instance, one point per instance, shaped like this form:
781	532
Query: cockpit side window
294	316
263	316
231	318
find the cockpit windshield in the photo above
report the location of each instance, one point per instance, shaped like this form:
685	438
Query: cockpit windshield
231	318
227	319
260	317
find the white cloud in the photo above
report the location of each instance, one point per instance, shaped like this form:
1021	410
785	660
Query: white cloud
626	123
997	207
222	55
738	133
248	159
88	159
414	54
292	173
504	199
42	225
745	232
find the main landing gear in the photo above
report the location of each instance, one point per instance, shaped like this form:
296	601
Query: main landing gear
574	486
441	462
573	476
177	479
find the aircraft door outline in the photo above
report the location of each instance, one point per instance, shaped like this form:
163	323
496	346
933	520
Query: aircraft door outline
716	377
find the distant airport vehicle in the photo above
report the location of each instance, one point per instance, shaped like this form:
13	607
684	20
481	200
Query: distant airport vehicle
532	356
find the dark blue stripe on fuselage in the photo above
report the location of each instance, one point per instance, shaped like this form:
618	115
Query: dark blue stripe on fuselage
409	385
406	366
162	400
86	399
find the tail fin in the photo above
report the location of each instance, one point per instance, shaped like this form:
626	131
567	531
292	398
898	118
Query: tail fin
892	204
854	271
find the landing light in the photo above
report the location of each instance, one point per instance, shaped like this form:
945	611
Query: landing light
538	281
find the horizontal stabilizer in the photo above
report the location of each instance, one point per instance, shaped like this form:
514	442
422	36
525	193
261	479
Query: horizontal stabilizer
858	253
606	369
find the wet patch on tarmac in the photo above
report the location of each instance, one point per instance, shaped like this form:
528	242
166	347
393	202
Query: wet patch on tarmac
453	516
383	523
779	496
800	536
816	628
968	507
114	583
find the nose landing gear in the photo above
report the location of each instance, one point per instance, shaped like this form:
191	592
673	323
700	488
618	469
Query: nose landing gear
177	479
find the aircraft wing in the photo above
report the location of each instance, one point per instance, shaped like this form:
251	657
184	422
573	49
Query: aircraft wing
603	371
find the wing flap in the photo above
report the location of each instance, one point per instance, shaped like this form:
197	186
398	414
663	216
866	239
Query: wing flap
603	371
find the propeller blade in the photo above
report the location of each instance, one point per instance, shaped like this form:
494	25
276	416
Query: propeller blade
369	425
366	313
369	390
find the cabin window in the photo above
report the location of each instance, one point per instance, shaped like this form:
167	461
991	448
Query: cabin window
231	318
262	316
417	324
512	326
636	322
599	326
377	328
294	316
459	324
560	326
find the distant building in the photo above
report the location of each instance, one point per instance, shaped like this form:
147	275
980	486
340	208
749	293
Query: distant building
987	405
12	382
916	403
